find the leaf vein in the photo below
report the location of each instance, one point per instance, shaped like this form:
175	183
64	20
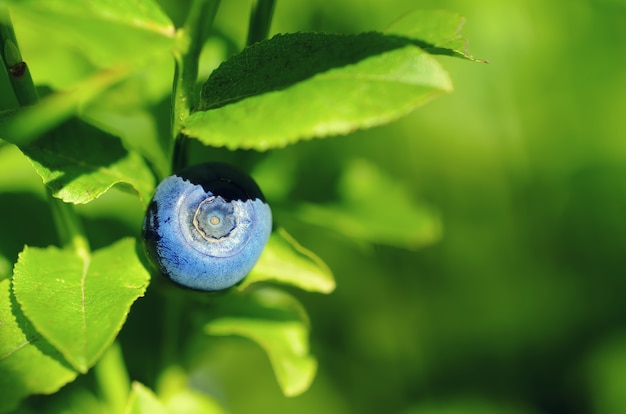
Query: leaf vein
17	348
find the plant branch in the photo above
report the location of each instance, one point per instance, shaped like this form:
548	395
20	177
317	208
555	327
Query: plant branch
112	378
191	38
68	225
18	72
260	20
67	222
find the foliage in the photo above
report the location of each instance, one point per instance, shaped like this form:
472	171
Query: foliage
99	125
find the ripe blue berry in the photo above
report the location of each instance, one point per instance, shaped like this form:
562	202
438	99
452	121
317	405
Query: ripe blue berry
206	226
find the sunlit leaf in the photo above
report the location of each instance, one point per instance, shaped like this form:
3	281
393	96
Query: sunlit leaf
79	304
437	31
303	86
143	401
80	163
277	322
286	261
28	363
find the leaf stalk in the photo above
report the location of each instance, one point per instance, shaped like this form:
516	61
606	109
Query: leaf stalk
185	98
68	225
260	20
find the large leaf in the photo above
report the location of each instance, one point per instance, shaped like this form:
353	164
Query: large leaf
107	31
437	31
301	86
28	363
278	323
79	163
284	260
79	304
374	208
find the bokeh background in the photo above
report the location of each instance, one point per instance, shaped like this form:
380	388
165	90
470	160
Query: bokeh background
519	306
515	304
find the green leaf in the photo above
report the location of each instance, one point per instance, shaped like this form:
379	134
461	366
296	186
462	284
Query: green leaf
178	397
285	261
107	31
79	304
375	208
28	363
302	86
79	163
278	323
437	31
190	401
143	401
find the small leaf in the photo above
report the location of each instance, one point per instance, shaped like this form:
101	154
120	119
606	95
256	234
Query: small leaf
28	363
79	163
143	401
437	31
79	304
375	208
302	86
286	261
278	323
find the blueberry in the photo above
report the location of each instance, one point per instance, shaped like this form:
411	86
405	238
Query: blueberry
206	226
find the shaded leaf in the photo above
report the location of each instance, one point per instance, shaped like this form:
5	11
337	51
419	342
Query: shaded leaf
79	163
28	363
374	208
79	304
285	261
143	401
278	323
437	31
301	86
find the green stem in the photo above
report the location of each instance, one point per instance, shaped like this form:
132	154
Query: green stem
67	222
260	20
68	225
172	316
191	38
112	378
17	69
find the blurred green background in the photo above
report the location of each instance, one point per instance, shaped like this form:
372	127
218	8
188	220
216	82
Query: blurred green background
517	305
